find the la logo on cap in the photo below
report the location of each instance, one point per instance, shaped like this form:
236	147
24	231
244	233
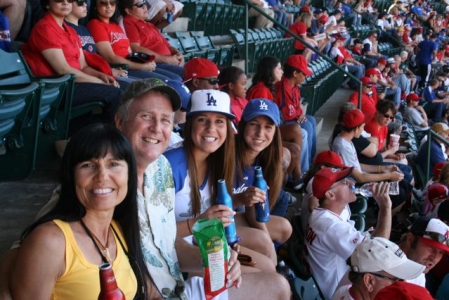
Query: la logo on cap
211	100
263	105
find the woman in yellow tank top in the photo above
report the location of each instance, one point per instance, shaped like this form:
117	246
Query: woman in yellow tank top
95	221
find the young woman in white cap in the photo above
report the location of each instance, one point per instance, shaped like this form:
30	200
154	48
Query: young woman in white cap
207	155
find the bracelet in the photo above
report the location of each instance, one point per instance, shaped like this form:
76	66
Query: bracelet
379	169
188	226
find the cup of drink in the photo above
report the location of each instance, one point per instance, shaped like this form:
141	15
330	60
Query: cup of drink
394	140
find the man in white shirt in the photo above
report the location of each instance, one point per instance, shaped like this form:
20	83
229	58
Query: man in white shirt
375	264
331	240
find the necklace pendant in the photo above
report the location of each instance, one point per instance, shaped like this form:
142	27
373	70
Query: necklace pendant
106	253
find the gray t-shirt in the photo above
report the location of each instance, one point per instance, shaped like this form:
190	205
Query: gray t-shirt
413	116
347	152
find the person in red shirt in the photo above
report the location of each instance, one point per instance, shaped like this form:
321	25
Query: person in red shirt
378	127
374	75
368	103
146	37
54	48
113	44
232	81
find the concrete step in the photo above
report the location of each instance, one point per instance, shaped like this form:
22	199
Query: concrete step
180	24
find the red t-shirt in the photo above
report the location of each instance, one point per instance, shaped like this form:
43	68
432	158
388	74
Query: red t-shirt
288	99
237	107
47	34
378	131
298	28
145	34
110	32
259	90
368	105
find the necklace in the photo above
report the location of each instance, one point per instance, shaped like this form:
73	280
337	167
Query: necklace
103	248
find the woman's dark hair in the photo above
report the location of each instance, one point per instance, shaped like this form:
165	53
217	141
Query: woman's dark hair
264	72
270	159
93	13
96	141
227	76
383	106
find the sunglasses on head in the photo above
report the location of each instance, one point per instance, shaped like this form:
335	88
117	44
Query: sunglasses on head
60	1
435	236
212	81
389	117
140	4
110	2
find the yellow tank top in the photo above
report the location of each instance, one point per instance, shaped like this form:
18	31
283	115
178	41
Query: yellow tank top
81	278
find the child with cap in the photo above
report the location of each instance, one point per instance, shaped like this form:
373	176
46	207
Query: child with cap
258	143
436	194
207	155
232	80
375	264
415	113
288	99
353	124
331	240
200	74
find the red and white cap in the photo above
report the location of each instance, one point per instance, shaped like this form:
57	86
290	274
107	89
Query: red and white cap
432	232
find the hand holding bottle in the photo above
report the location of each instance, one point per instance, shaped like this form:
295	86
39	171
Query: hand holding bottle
252	195
221	212
396	176
381	194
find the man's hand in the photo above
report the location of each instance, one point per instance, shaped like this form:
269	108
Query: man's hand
381	194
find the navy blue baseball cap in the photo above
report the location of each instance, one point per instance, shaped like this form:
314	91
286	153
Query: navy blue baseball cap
261	107
182	91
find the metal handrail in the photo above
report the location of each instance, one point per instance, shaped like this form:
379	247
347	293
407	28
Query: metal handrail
431	134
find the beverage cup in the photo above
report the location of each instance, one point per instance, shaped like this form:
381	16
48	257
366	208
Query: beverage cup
394	140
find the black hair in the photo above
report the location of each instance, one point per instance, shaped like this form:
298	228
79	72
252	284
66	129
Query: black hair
443	212
93	13
383	106
229	75
289	71
96	141
264	72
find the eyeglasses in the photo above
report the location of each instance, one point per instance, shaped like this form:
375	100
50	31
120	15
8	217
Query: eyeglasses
140	4
342	182
389	117
212	81
110	2
60	1
368	86
394	279
434	236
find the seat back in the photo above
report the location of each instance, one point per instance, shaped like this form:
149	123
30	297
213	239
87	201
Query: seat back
306	289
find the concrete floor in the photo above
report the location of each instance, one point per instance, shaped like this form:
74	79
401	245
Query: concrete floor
20	201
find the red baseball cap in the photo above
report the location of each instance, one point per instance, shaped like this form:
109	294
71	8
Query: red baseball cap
299	62
323	19
366	80
325	178
330	157
382	61
413	97
372	71
305	8
437	191
438	167
302	28
402	290
353	118
199	68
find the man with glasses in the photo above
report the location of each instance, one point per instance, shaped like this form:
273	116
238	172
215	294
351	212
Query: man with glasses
369	46
330	240
375	264
425	243
368	103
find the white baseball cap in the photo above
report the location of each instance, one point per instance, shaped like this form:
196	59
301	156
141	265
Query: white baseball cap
379	254
210	101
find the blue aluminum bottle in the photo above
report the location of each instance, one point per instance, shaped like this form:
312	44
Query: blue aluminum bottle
224	198
262	209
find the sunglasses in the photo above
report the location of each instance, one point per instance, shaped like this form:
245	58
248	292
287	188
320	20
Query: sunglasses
60	1
212	81
389	117
106	3
140	4
394	279
435	236
80	2
369	86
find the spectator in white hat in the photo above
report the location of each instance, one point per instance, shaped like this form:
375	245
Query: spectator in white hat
375	264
